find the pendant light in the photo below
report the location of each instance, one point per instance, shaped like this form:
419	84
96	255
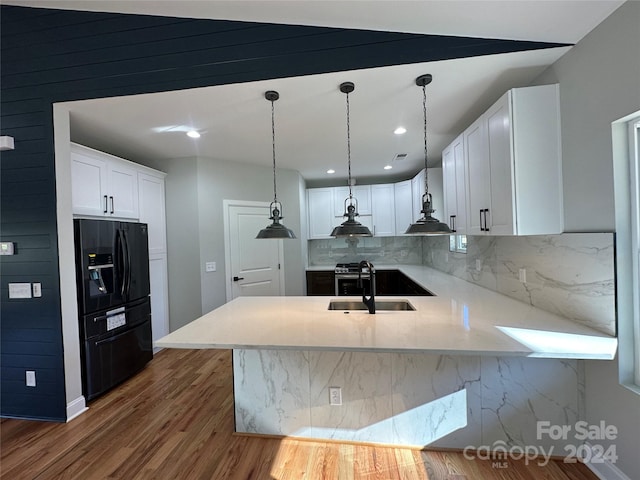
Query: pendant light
426	225
351	227
276	229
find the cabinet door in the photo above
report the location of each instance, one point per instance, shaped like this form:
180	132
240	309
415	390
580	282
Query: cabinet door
477	169
403	206
500	217
417	191
383	210
152	211
123	190
158	284
362	194
320	217
454	186
88	184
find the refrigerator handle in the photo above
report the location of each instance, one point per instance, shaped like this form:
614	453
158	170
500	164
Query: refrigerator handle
121	262
128	262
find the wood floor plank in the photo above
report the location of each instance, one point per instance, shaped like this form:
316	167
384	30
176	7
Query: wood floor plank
175	420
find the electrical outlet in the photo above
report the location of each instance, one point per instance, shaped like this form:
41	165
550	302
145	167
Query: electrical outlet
522	275
335	396
210	267
478	265
31	378
37	290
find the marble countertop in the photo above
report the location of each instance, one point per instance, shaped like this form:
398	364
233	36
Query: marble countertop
461	318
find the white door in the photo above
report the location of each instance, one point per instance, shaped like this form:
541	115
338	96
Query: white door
254	267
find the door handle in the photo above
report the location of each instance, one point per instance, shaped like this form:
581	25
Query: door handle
235	279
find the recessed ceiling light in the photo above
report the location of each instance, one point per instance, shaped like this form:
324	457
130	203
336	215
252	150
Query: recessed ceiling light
400	131
388	167
330	171
193	134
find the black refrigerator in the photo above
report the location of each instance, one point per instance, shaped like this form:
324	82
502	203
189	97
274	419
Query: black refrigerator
112	276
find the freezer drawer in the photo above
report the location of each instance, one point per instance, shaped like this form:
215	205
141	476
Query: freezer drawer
112	359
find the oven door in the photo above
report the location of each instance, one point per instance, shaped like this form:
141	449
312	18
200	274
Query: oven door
347	284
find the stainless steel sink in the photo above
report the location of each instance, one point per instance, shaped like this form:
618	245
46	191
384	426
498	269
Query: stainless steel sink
395	305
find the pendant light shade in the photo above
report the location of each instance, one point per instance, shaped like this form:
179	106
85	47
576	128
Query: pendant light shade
351	227
275	229
427	224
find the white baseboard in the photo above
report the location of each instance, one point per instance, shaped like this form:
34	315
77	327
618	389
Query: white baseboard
605	470
76	407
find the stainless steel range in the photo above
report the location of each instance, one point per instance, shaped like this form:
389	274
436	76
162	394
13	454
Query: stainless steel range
347	279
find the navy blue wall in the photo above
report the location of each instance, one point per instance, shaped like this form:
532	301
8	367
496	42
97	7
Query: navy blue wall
50	56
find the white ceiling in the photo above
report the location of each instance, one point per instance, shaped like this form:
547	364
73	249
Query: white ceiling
310	115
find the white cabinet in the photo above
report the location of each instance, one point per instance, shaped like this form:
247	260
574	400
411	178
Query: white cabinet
362	193
403	205
514	166
152	210
320	215
383	210
159	286
454	188
102	185
417	191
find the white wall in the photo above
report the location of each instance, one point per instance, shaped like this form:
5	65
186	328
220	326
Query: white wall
183	241
219	180
600	83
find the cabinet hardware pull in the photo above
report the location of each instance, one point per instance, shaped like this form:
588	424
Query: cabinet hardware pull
486	212
481	227
111	205
235	279
106	208
452	223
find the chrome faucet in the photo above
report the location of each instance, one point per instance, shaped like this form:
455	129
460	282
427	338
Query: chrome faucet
369	302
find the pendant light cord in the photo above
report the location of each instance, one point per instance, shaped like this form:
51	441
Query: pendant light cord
273	148
349	148
424	112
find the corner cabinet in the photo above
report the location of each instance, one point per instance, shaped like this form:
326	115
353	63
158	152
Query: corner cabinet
513	165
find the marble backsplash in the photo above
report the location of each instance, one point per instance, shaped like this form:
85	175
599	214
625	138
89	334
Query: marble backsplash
571	274
380	250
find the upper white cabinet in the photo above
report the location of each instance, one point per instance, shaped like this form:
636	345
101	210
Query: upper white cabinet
454	189
102	185
362	194
383	210
417	189
514	165
403	205
320	214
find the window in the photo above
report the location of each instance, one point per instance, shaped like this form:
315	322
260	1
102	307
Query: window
458	243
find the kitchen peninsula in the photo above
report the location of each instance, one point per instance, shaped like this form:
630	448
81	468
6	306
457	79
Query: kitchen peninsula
406	377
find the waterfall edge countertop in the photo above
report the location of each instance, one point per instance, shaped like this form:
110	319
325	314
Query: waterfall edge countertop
461	319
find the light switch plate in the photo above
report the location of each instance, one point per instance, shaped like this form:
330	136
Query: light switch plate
37	290
19	290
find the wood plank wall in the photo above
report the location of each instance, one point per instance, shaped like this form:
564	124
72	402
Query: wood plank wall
50	56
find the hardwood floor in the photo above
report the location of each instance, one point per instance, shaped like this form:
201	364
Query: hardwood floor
175	421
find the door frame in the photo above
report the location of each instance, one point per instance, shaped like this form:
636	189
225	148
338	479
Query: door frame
226	206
